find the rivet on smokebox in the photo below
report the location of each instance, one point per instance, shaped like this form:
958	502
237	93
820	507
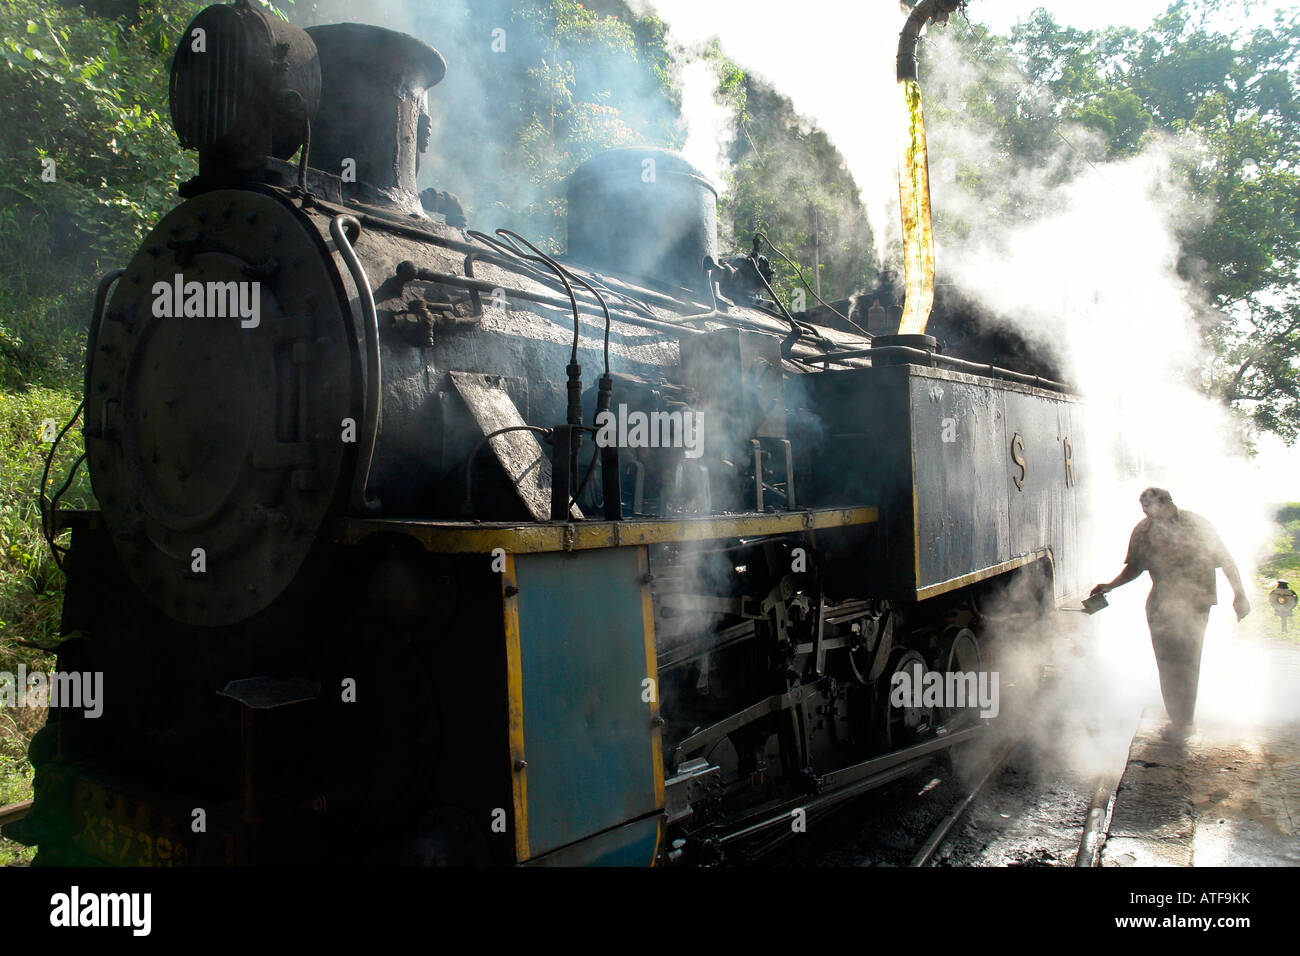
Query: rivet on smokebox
521	764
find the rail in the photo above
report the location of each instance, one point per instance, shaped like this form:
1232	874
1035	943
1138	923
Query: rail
14	812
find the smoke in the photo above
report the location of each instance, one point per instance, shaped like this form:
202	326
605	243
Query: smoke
526	99
1080	255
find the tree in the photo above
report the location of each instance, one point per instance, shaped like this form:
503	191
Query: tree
88	161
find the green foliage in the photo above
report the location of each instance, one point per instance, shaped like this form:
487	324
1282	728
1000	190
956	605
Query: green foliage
1119	116
1285	547
31	587
42	337
15	786
94	100
92	95
30	583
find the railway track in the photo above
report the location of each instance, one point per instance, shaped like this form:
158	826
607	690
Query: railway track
944	827
1095	826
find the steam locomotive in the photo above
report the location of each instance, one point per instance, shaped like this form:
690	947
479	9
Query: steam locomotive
417	544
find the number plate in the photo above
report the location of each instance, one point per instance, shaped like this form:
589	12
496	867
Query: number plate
124	831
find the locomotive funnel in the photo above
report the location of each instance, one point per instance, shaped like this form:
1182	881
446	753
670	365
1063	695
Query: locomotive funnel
373	122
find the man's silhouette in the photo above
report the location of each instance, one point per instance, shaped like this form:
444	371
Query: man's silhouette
1181	551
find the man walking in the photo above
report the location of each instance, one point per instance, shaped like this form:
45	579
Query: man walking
1181	551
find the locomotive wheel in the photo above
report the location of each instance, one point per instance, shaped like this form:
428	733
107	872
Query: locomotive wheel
897	727
881	636
961	652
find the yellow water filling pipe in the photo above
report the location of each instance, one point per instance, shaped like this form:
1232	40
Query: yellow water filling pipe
914	173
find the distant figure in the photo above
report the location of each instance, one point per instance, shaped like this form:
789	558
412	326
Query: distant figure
1181	550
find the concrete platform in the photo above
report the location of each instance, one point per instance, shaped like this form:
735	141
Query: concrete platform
1228	794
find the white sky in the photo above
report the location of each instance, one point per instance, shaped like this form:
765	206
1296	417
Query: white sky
1001	15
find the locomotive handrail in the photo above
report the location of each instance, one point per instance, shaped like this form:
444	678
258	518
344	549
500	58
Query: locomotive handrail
97	319
361	501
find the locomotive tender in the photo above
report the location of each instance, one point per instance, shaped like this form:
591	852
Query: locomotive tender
417	545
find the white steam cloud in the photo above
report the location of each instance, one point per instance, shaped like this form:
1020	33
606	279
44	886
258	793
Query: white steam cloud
1092	271
1086	266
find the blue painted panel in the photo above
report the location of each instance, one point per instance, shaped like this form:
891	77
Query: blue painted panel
1037	507
961	459
588	736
